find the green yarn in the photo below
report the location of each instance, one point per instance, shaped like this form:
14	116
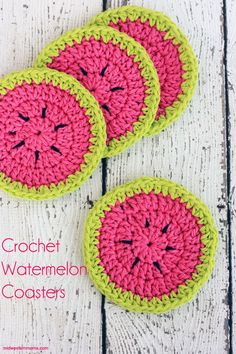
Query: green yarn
148	72
126	299
187	56
92	158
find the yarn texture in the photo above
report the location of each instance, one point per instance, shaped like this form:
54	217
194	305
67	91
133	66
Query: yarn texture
52	134
170	52
117	71
149	245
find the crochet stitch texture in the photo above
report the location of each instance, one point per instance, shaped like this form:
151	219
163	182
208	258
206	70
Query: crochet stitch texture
52	134
149	245
117	71
170	52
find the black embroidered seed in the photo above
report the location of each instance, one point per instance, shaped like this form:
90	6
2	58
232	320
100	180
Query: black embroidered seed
135	262
164	230
169	248
59	126
147	223
26	119
84	72
128	242
102	73
36	155
54	148
12	133
104	106
157	265
113	89
121	206
21	143
44	112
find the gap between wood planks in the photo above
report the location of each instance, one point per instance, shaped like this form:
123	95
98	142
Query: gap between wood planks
228	172
228	186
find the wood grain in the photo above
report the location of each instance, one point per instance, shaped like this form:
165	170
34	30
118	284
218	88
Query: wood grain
191	152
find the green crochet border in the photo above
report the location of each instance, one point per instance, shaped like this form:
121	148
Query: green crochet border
148	72
187	55
127	299
92	158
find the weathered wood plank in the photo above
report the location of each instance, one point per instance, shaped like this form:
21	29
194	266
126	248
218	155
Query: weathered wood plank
73	324
191	152
231	84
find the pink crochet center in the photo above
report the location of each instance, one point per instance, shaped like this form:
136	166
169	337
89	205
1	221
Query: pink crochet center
111	76
164	54
44	134
149	244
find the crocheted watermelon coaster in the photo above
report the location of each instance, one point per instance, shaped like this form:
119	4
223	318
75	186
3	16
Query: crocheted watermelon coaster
170	52
149	245
52	134
117	71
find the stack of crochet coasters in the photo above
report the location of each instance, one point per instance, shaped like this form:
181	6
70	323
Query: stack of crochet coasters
93	92
149	245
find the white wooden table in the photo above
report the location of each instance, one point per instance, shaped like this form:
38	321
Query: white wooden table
197	151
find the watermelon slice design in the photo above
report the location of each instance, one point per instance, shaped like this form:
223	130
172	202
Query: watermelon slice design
151	247
46	133
117	71
169	50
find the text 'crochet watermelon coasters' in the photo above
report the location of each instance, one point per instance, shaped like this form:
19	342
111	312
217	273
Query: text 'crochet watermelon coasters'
149	245
52	134
170	52
117	71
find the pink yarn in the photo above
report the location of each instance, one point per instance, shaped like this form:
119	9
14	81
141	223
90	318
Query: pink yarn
111	76
164	54
150	244
44	134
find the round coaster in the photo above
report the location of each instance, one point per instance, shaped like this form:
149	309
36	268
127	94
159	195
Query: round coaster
170	52
117	71
52	134
149	245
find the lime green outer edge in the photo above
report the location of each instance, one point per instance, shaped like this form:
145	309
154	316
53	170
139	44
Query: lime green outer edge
98	129
147	70
125	298
187	56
